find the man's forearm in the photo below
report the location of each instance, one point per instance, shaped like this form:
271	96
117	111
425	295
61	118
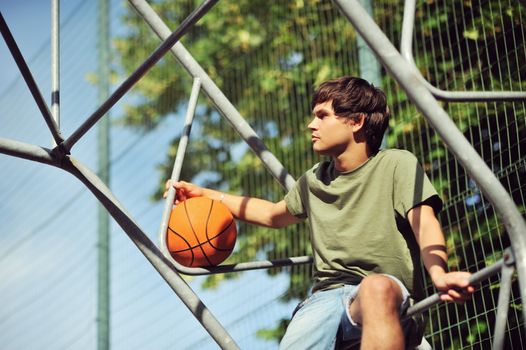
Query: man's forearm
252	210
430	238
433	251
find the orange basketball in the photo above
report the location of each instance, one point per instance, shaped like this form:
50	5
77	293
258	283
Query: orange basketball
201	232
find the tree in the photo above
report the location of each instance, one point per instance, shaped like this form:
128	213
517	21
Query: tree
265	59
268	56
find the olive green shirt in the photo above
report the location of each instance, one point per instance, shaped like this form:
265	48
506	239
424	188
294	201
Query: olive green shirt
358	219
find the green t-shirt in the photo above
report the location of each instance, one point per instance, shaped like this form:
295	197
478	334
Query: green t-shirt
358	219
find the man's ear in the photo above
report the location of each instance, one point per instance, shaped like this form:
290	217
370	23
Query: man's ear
358	122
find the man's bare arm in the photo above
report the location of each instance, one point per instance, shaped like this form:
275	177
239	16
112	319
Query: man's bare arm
428	232
252	210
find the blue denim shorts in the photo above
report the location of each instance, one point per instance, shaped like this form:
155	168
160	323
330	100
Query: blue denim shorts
314	325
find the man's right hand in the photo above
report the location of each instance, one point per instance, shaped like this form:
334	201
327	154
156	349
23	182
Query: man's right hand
183	190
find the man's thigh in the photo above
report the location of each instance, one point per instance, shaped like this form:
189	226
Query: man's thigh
316	321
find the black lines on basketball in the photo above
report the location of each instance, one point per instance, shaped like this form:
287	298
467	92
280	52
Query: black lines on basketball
200	244
201	233
190	248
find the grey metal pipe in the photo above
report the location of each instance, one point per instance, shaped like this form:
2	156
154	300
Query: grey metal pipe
503	307
246	266
370	69
426	103
406	49
151	252
178	165
239	124
103	320
475	278
216	95
55	63
434	299
171	39
27	151
30	81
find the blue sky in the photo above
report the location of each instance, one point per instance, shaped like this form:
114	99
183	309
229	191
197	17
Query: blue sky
48	219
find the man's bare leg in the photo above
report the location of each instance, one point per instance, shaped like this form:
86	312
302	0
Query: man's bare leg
376	309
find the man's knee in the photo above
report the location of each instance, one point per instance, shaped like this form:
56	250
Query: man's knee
381	290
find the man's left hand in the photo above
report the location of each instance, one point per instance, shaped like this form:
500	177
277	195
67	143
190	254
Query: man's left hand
454	286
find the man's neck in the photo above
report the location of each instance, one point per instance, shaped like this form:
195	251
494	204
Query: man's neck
351	159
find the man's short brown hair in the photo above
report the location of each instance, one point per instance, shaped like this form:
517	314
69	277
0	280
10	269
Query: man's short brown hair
353	97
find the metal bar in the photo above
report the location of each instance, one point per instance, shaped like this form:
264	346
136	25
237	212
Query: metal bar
216	96
370	69
476	278
503	306
176	172
367	62
30	81
406	49
151	252
239	124
55	64
178	164
246	266
139	72
27	151
103	149
463	151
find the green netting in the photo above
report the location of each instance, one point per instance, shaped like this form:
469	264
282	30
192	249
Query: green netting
267	57
471	46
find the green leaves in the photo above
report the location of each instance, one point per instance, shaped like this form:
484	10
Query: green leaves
267	57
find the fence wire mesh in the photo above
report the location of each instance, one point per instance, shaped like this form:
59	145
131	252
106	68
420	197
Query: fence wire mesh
266	57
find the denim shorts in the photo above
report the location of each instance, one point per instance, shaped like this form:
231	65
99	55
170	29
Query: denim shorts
314	325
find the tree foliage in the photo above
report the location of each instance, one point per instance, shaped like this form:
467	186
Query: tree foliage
268	56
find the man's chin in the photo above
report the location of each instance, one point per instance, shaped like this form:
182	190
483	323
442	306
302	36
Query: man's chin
320	151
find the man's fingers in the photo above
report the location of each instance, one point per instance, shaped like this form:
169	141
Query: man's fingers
180	189
460	279
454	298
454	294
181	185
457	295
445	297
166	188
167	184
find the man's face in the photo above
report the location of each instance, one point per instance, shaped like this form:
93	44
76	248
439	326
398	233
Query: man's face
331	135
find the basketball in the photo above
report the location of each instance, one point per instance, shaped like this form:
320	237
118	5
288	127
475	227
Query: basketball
201	232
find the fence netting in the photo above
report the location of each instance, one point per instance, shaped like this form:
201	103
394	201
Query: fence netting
267	57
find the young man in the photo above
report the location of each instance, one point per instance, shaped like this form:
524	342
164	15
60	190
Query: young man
371	215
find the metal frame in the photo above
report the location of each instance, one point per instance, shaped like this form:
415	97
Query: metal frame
406	50
217	97
55	63
30	81
138	73
60	157
475	279
463	151
239	124
505	266
400	69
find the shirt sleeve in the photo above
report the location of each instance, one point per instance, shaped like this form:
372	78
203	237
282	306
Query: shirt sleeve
293	198
412	187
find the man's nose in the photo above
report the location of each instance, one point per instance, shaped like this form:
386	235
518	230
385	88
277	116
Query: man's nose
313	124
